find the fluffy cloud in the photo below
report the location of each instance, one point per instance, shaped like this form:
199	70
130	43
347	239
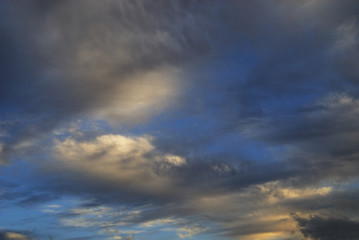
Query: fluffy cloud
129	162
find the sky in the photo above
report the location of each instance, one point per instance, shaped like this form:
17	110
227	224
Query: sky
179	119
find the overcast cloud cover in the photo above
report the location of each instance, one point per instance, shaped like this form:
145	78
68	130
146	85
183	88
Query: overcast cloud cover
179	119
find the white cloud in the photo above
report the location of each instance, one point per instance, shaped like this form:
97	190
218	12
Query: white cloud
128	161
160	222
142	96
175	160
189	231
97	211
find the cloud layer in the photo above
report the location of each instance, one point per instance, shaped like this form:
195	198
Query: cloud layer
179	119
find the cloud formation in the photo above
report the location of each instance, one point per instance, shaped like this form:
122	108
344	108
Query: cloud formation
177	119
317	227
125	162
9	235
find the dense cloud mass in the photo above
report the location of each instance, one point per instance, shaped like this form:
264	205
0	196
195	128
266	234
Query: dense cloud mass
179	119
327	229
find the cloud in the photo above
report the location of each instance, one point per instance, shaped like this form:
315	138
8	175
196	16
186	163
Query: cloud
11	235
189	231
88	60
125	162
117	237
319	228
233	114
112	165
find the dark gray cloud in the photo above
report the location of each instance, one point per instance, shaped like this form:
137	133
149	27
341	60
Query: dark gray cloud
319	228
337	203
